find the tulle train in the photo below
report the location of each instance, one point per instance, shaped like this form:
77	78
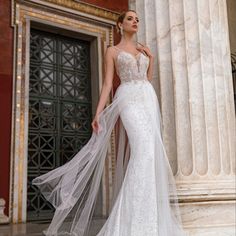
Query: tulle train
72	188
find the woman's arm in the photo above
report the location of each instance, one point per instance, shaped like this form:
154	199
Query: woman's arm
150	68
106	87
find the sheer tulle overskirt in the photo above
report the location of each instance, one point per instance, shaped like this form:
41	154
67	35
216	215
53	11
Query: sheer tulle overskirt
73	187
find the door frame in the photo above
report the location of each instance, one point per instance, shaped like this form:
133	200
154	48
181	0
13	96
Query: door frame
100	32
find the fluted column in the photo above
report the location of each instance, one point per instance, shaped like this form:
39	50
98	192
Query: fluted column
193	80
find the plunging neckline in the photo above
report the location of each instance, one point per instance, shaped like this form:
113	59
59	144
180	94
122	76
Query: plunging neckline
134	56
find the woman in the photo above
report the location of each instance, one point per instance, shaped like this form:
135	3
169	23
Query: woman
144	199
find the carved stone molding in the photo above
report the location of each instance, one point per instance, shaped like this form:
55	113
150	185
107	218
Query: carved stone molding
86	8
72	7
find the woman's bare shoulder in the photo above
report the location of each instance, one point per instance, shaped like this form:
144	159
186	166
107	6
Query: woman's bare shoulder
111	51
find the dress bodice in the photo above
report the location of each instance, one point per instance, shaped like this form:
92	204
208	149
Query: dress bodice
130	67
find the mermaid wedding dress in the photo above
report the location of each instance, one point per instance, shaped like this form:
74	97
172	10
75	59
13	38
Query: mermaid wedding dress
144	201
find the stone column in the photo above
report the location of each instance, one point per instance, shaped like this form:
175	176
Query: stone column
193	81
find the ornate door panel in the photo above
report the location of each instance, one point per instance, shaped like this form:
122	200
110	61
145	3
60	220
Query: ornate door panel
59	108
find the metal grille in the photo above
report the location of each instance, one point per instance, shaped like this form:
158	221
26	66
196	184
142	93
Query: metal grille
59	108
233	63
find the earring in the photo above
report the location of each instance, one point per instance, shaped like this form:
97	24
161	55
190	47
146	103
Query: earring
121	30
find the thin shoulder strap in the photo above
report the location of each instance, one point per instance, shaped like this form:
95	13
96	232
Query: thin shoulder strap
140	43
118	51
116	48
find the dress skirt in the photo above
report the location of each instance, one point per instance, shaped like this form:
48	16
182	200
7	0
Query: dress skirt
145	200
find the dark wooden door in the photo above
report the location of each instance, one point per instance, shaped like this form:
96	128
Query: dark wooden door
59	109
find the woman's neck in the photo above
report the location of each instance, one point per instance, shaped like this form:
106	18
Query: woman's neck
128	40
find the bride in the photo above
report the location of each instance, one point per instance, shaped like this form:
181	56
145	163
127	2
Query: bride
144	201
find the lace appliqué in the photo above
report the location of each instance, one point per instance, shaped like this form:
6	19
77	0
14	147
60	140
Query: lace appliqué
130	67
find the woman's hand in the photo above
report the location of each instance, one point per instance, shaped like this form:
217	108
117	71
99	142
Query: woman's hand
145	50
95	124
106	87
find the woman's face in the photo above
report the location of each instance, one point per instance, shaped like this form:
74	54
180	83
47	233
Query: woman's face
130	22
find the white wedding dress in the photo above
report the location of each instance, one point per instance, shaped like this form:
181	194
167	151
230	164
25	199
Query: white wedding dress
145	201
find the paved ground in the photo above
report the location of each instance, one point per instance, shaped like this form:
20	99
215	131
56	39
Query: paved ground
33	229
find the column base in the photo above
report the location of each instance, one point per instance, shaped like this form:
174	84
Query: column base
209	218
3	218
215	231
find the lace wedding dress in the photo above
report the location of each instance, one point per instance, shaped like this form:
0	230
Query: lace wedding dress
144	201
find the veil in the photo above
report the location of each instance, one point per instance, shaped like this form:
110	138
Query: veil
72	188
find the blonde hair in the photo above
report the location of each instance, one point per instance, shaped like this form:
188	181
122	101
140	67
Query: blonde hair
120	19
